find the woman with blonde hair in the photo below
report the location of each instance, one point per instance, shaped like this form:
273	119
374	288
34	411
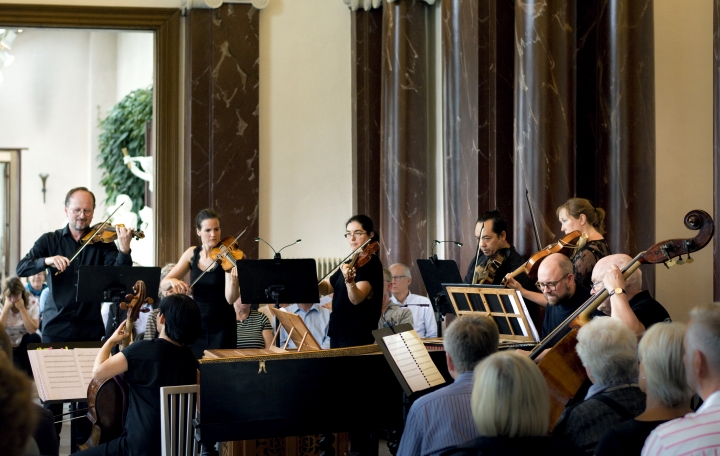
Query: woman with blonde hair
662	378
511	410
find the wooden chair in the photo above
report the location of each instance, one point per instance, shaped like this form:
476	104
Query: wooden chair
178	408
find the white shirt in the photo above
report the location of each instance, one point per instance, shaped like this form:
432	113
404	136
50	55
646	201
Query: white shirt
15	326
423	317
696	434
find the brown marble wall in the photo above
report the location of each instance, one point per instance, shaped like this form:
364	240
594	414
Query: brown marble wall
222	124
366	90
544	117
405	128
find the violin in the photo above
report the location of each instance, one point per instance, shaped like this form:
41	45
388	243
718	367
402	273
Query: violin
567	246
107	406
106	234
486	274
561	366
361	257
227	253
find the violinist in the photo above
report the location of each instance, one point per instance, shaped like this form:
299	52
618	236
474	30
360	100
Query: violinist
149	365
357	292
215	292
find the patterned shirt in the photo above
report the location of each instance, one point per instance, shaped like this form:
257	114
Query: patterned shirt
584	260
249	331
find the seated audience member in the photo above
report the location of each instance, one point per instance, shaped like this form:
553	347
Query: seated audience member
662	379
696	433
443	419
150	332
20	316
422	312
317	320
392	314
510	407
44	435
266	310
148	366
253	328
608	351
35	285
17	414
627	302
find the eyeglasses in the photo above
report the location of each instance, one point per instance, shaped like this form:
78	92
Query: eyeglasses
355	234
77	212
398	277
596	286
549	285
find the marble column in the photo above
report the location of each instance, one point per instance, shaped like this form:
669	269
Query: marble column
405	129
626	171
366	90
544	117
222	124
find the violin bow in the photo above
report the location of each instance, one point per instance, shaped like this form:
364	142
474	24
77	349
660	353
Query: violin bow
97	231
213	265
532	218
346	258
477	253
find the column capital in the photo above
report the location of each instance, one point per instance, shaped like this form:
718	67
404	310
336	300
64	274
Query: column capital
367	5
259	4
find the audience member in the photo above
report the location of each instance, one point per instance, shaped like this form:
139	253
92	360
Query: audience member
317	320
392	314
252	327
510	406
696	433
662	379
423	315
17	415
608	351
36	284
20	317
443	419
627	301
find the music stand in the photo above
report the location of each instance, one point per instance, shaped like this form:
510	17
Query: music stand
434	273
297	331
113	283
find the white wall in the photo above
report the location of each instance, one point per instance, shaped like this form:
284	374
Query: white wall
684	115
305	126
135	50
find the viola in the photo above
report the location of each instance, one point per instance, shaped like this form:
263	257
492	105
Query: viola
227	253
486	274
561	366
106	233
567	246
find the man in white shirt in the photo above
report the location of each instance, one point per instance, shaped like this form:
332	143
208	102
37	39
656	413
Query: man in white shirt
696	433
423	316
317	320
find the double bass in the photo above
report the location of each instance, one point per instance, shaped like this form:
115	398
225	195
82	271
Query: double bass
561	366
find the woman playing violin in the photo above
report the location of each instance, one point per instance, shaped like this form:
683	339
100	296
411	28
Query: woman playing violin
149	365
214	293
357	291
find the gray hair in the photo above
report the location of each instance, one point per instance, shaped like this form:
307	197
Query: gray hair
661	354
634	282
406	270
510	397
608	349
469	340
703	334
163	273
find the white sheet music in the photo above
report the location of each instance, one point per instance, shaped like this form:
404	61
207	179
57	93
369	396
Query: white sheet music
62	374
413	360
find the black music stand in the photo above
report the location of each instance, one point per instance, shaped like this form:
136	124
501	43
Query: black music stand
434	273
112	284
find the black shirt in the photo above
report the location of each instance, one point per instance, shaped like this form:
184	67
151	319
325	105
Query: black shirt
63	315
501	446
512	261
209	294
626	438
151	365
555	315
645	308
350	324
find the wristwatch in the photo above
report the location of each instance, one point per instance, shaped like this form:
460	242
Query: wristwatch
616	291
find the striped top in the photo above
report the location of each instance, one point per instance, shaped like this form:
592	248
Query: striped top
249	331
696	434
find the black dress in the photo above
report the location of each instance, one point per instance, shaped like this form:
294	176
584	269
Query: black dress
352	325
626	439
584	260
502	446
218	317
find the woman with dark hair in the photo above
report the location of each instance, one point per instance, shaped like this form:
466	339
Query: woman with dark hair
149	365
357	292
214	293
20	316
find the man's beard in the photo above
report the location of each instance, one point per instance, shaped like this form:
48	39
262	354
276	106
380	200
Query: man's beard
558	298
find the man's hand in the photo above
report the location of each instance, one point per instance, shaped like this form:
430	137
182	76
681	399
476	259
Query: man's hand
58	262
613	278
124	236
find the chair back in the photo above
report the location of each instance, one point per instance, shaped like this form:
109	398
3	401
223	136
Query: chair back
178	408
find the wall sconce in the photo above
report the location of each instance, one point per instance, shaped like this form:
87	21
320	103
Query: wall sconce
44	177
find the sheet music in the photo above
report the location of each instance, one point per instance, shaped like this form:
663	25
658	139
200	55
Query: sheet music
413	360
62	374
86	361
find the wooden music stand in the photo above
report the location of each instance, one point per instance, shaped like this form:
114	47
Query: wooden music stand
504	305
297	331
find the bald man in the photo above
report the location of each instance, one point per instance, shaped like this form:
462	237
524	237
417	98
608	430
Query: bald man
627	301
557	283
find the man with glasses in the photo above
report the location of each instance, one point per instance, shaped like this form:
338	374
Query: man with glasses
627	301
423	316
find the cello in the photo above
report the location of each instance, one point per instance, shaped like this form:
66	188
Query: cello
107	399
561	366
